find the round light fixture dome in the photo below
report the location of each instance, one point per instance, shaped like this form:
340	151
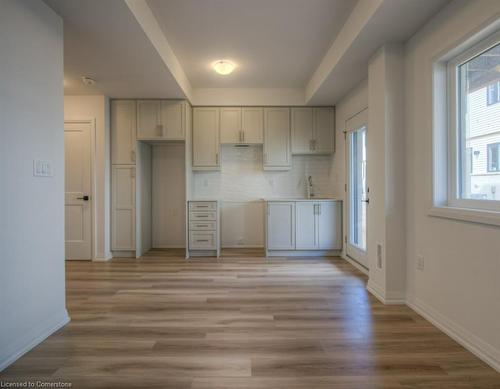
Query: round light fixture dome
223	67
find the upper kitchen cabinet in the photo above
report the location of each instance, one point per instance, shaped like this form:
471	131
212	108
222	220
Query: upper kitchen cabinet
312	130
206	138
123	123
160	119
252	125
230	125
277	153
241	125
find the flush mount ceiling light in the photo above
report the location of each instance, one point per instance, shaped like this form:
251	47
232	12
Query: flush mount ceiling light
223	67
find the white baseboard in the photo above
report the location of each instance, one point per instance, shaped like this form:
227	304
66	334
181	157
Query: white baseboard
387	298
21	346
471	342
361	268
102	259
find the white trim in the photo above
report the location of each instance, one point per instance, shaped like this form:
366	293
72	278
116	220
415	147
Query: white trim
35	336
466	214
471	342
303	253
353	262
385	297
91	121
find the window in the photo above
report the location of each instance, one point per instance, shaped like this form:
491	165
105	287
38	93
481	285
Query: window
493	93
494	157
467	132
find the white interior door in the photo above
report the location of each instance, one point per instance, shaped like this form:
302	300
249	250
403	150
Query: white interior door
78	189
357	195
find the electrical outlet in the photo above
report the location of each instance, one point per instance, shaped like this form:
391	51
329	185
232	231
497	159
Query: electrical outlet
420	262
379	256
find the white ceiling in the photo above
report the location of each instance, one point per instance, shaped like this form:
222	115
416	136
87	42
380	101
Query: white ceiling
275	43
103	40
288	52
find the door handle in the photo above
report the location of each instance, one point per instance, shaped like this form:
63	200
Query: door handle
84	198
366	201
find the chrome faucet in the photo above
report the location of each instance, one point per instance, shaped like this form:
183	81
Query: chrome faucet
310	188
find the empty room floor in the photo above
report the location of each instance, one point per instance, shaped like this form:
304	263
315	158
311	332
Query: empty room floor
241	322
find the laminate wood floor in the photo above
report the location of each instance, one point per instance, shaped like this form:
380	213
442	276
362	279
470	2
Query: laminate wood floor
241	322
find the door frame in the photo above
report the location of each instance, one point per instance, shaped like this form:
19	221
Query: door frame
91	121
353	123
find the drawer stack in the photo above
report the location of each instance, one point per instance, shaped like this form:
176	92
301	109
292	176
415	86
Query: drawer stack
203	227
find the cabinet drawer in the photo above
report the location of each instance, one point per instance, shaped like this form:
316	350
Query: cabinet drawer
202	205
201	216
200	240
202	226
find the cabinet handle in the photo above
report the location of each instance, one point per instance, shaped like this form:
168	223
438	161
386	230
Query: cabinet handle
132	155
217	158
243	133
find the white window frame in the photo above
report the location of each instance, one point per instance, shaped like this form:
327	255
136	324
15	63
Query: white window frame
446	200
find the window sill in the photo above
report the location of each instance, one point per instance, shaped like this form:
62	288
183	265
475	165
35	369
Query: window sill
480	216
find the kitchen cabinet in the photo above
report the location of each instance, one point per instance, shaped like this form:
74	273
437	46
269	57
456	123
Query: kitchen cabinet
252	127
306	226
230	125
280	229
203	228
312	130
277	151
123	208
123	125
206	138
303	227
160	119
241	125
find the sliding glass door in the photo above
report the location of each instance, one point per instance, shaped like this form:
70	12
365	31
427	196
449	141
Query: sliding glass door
357	195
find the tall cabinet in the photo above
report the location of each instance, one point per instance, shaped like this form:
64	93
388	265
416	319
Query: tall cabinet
123	174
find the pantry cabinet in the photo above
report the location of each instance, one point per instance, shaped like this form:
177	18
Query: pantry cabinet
206	138
123	124
160	119
123	208
312	130
277	152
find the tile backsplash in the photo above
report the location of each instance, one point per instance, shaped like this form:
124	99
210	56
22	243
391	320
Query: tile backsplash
242	178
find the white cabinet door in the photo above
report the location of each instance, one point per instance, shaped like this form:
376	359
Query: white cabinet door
171	119
123	208
306	231
281	225
302	131
206	138
324	128
277	153
123	126
230	125
330	225
252	125
148	119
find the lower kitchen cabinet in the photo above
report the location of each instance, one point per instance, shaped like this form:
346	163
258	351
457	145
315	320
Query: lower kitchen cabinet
281	225
304	226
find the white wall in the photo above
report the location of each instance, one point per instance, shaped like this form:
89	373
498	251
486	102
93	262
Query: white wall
168	193
32	291
459	287
347	107
385	174
97	107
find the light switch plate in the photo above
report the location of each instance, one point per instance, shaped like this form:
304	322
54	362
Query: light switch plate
42	168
